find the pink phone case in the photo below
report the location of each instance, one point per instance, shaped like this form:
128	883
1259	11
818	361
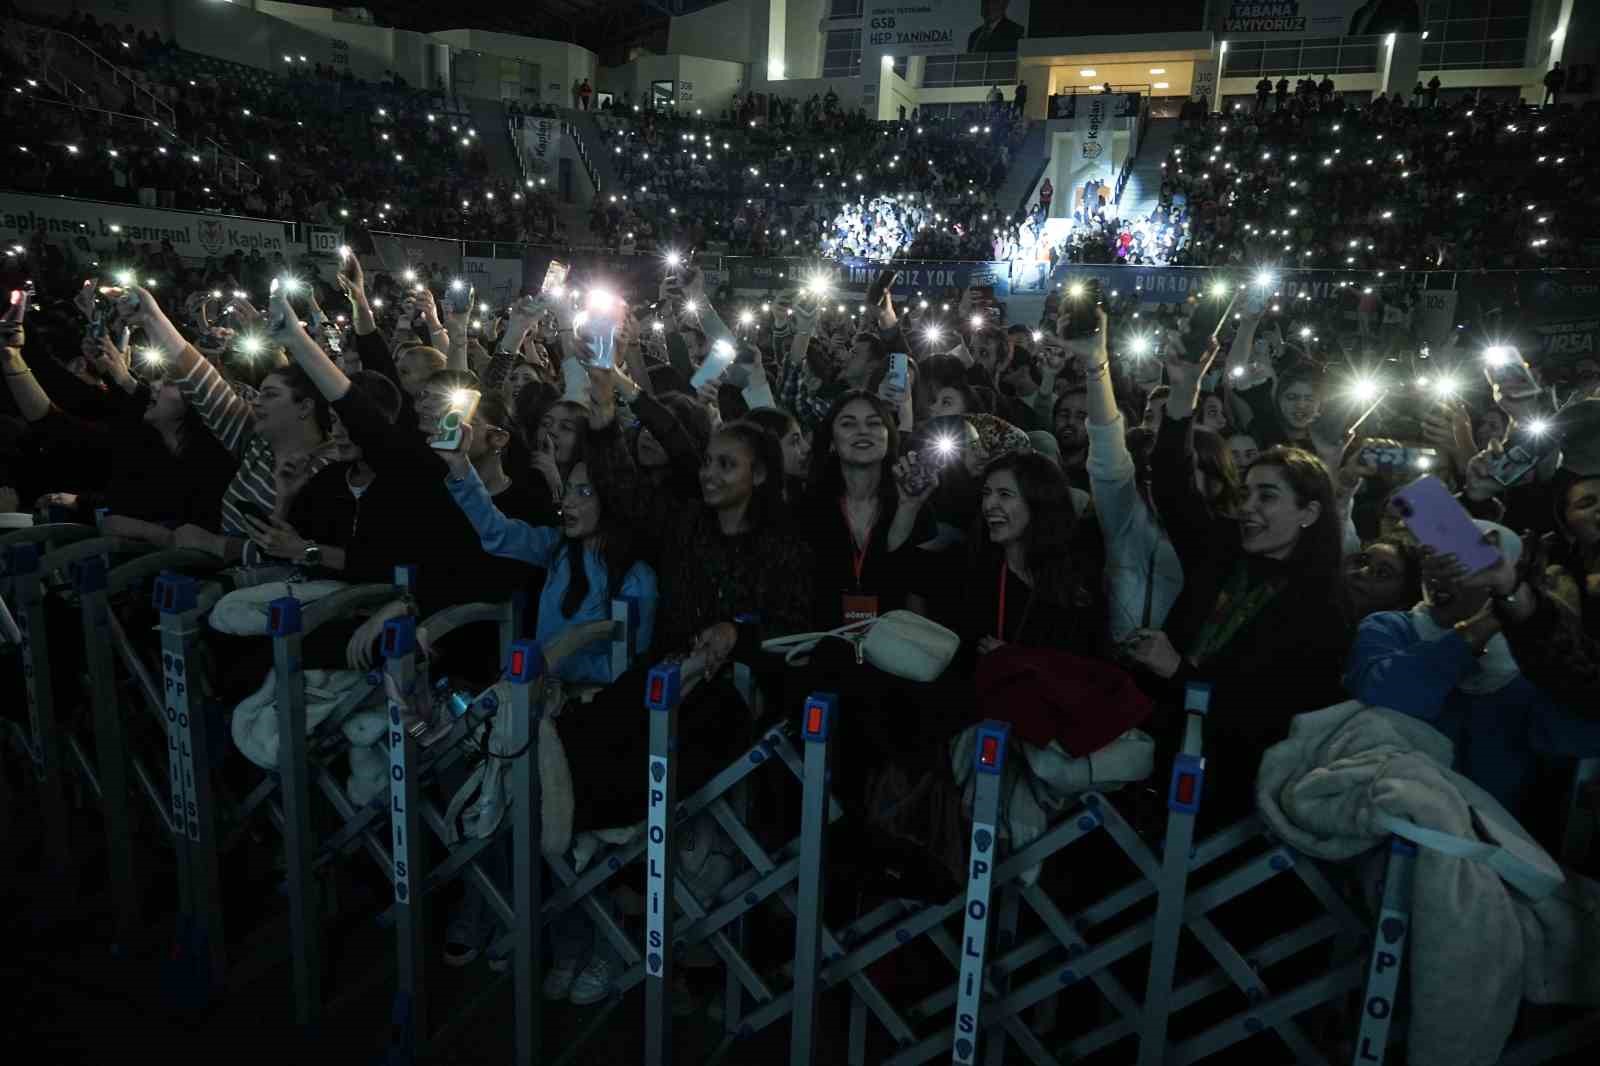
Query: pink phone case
1438	521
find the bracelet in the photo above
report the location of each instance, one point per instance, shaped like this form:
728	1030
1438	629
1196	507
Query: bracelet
25	372
1098	370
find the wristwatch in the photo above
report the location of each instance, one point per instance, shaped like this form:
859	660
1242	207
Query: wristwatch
311	555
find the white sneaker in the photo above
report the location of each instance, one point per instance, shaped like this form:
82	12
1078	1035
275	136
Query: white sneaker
558	981
593	984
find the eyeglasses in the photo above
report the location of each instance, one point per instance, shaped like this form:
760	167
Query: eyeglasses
583	492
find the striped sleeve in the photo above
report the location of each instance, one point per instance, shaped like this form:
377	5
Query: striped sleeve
219	407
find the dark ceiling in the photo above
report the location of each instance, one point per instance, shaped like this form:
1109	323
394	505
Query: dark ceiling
603	26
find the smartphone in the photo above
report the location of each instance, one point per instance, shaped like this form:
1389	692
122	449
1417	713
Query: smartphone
463	405
275	316
333	337
1505	367
899	373
1438	521
1525	449
1081	321
18	308
924	472
1207	314
555	276
1398	458
716	361
881	284
460	297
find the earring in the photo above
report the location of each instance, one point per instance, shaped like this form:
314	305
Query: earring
1305	525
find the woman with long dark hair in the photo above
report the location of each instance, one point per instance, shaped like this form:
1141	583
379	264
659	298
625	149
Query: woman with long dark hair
1026	582
859	516
1259	617
589	555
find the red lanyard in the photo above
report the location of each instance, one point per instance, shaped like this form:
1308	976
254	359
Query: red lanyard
858	548
1000	620
1000	615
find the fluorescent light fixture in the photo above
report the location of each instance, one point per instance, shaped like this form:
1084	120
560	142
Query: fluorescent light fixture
1087	72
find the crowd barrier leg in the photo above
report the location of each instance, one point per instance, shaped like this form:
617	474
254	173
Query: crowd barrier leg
409	1021
816	725
662	696
989	764
1183	803
1388	949
285	623
44	749
183	612
111	751
526	668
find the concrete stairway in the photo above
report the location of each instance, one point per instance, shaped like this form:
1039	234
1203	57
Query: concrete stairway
1144	184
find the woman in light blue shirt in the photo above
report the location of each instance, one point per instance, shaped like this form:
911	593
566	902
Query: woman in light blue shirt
589	560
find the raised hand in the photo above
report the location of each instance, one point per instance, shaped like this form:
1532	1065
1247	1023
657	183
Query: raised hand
275	537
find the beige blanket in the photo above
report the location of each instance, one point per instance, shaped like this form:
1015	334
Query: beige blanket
1478	947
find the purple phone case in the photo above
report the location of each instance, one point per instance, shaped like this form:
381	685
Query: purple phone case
1438	521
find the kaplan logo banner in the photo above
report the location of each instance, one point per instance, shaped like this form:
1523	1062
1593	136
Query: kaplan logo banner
1319	18
542	138
194	236
1090	125
940	27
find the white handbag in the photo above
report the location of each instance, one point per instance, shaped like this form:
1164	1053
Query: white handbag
902	643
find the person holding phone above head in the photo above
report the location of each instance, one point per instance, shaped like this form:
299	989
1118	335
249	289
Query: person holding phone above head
1143	575
287	417
1448	662
154	466
1256	617
408	515
1549	605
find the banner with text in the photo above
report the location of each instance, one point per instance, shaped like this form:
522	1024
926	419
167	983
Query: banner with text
855	276
1563	312
541	139
939	27
1110	105
194	236
498	281
324	240
397	251
1317	18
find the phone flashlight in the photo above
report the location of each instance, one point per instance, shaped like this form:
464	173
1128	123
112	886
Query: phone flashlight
976	322
344	251
674	259
690	306
291	284
1497	355
216	294
945	447
656	327
746	318
459	399
123	278
409	275
456	284
251	345
1038	335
